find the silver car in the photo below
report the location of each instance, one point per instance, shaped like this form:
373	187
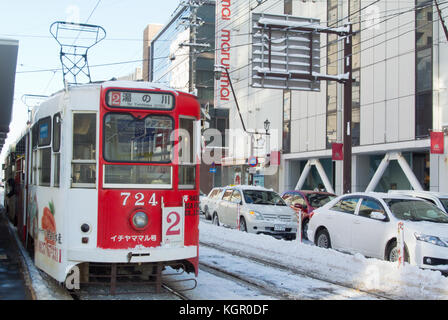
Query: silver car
255	210
208	202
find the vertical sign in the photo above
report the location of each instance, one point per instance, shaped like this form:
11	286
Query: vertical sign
337	151
437	143
223	41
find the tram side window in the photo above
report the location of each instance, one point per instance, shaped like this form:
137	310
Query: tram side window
34	140
56	149
84	150
45	167
44	154
187	168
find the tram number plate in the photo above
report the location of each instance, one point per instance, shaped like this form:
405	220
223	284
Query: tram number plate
173	226
279	227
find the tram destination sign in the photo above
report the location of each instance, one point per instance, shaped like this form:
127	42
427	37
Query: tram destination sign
138	99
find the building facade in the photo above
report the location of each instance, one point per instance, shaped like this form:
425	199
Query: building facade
398	94
182	57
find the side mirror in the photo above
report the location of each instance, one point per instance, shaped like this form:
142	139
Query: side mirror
378	215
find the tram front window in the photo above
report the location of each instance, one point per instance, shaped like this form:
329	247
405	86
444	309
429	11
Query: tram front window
137	142
129	139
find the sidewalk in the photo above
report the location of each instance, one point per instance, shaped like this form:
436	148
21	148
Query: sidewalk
12	284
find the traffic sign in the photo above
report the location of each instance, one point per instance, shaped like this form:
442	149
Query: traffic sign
252	161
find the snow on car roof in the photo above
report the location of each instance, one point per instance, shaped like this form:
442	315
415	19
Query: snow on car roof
420	193
383	195
248	187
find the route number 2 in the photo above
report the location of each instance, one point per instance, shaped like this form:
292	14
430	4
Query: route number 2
139	199
172	224
173	220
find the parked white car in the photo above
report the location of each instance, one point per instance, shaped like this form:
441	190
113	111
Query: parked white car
368	223
437	198
255	210
208	203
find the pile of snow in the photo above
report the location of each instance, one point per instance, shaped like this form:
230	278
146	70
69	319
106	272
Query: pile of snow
42	289
356	271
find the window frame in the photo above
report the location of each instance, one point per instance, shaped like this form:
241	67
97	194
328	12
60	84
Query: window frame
230	195
84	185
347	198
48	139
384	211
130	161
58	127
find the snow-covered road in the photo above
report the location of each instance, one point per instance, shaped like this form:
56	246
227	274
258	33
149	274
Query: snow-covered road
354	271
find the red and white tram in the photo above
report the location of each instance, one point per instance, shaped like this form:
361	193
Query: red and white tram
111	176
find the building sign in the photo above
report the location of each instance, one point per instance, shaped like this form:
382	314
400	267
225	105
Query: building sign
437	142
284	57
223	44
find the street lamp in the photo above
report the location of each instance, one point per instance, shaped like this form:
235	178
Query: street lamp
267	124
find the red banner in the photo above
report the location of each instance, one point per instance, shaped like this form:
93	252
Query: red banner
337	151
437	142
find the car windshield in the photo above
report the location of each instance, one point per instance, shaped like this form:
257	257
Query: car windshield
263	197
317	200
445	203
416	210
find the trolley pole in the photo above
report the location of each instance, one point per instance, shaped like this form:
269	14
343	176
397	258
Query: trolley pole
347	140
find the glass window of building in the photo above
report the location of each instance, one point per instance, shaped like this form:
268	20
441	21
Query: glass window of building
332	69
288	7
355	18
423	68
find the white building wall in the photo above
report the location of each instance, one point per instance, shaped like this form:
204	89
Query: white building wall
439	163
387	90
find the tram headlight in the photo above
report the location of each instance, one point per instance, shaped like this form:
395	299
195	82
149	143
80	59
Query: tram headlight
140	220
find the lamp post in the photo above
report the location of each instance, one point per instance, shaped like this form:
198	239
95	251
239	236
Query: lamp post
267	124
218	73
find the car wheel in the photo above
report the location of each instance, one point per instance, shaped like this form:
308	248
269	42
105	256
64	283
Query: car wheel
323	239
243	225
304	230
207	214
392	253
215	219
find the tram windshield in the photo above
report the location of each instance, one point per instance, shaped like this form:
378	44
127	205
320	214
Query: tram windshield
129	139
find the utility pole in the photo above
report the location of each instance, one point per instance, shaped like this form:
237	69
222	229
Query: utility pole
193	21
347	140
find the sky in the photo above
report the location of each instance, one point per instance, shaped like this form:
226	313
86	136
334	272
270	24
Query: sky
29	21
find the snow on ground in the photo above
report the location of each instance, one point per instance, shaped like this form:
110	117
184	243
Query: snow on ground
373	275
278	283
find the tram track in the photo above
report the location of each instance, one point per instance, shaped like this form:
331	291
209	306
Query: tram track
243	281
282	267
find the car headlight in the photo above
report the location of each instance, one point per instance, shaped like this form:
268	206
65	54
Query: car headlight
256	214
431	239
